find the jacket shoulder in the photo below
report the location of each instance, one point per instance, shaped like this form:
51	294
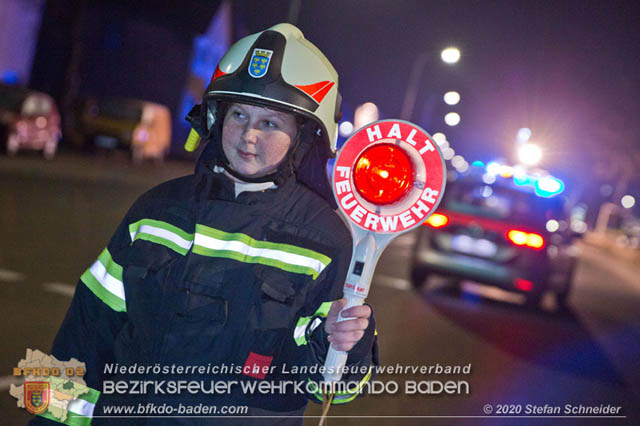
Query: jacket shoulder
314	213
170	202
172	191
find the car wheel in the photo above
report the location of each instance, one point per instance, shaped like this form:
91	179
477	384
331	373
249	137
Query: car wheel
562	297
12	144
137	156
532	300
49	151
418	277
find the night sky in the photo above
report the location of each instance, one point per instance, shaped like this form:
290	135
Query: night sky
566	69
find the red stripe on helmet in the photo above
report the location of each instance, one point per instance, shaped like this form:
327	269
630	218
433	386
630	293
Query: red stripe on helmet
320	94
217	73
317	90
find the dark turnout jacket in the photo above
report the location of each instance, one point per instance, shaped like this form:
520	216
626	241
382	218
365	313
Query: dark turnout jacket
198	285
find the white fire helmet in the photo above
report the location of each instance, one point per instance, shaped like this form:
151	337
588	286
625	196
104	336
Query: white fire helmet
280	69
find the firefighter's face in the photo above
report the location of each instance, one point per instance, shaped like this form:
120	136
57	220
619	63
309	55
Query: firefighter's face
256	139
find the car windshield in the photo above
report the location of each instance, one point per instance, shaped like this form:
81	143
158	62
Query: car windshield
121	109
36	105
501	203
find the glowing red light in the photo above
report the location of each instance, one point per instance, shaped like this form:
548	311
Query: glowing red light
522	284
529	239
383	174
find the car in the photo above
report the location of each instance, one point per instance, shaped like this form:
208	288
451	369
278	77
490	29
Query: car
152	136
501	235
29	119
111	123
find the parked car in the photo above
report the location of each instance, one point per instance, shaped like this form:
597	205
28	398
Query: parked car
501	235
152	136
29	120
142	127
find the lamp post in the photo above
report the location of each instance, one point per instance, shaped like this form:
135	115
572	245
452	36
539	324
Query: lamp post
450	55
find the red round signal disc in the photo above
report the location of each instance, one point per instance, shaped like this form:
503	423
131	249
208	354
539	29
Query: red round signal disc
389	176
383	174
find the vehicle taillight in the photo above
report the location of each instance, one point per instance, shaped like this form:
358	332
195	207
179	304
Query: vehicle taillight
522	238
522	284
437	220
383	174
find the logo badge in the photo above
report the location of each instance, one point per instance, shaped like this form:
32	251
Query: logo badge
259	63
36	397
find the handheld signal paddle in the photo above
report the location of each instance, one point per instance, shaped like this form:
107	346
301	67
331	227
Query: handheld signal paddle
388	178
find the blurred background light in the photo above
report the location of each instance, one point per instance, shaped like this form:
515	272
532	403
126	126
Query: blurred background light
488	178
452	98
552	225
346	128
457	161
628	201
579	226
529	154
493	168
524	134
548	186
439	137
366	113
448	153
506	171
452	118
606	190
521	179
450	55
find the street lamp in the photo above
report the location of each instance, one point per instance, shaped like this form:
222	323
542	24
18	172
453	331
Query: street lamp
628	201
451	56
452	98
529	154
452	119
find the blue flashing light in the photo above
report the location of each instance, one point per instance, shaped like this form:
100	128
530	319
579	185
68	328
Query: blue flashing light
522	180
9	77
493	168
548	186
477	163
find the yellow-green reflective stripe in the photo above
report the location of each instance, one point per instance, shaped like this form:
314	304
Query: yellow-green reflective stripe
79	410
162	233
343	397
104	279
301	325
215	243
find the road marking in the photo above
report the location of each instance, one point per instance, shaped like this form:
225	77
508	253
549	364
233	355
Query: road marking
60	288
405	240
393	282
11	276
491	292
614	266
7	381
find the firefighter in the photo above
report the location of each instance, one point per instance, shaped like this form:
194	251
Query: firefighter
233	274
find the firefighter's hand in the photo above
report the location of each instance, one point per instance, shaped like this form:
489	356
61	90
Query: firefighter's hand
345	334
